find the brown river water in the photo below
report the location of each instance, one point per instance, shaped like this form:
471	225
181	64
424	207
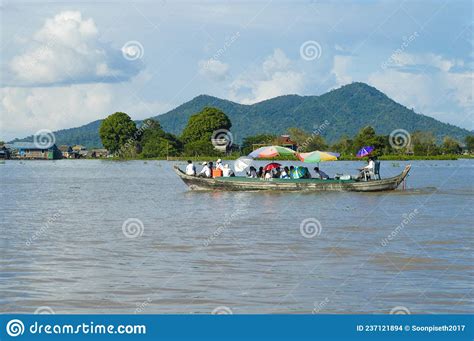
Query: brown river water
91	236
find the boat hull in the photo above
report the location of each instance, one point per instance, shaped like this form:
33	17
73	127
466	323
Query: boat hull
311	185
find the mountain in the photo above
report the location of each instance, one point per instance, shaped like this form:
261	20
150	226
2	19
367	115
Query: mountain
346	109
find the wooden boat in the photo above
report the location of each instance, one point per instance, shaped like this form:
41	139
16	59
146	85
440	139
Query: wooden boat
249	184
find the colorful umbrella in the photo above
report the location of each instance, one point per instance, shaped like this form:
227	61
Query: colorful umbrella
271	166
366	150
318	156
298	172
271	151
242	163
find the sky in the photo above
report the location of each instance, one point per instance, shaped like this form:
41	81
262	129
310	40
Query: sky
65	64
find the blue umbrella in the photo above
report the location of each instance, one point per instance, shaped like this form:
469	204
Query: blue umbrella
364	151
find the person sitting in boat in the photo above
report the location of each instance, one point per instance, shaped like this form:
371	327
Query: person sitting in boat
268	175
227	171
190	168
367	170
276	172
252	173
320	174
285	173
219	165
292	172
205	171
261	173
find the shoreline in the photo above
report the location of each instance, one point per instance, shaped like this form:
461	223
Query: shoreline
235	157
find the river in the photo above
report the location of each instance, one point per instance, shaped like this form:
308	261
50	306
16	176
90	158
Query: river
97	236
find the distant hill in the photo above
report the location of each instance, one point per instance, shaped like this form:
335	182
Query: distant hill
347	109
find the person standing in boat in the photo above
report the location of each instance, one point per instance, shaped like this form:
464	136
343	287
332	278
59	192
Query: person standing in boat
190	168
205	171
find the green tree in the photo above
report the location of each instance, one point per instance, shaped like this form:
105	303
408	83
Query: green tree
249	141
201	128
451	146
307	142
469	140
368	137
424	143
202	125
118	131
155	142
344	146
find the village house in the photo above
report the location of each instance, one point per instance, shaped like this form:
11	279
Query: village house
282	140
98	153
68	152
30	150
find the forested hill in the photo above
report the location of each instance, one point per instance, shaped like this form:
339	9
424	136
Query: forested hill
346	110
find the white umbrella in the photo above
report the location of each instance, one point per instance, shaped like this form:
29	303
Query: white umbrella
242	163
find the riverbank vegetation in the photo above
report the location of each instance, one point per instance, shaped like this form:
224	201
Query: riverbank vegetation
125	140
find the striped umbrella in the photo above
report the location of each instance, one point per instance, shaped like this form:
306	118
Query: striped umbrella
271	151
318	156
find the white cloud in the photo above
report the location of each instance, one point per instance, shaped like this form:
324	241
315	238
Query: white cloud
71	106
213	69
340	69
274	78
438	92
67	50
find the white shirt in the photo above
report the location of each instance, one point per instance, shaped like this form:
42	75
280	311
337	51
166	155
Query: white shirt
226	172
220	166
206	170
371	166
190	169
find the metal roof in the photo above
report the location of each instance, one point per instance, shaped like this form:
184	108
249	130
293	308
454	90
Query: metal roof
28	145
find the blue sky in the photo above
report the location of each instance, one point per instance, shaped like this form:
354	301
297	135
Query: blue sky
65	64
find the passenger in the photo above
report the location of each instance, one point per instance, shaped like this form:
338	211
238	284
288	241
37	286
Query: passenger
320	174
252	173
276	172
205	171
292	172
219	165
367	170
190	168
227	172
261	173
306	173
268	175
284	173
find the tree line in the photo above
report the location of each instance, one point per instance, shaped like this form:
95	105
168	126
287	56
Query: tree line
123	138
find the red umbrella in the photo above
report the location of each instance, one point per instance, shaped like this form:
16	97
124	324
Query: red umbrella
271	166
